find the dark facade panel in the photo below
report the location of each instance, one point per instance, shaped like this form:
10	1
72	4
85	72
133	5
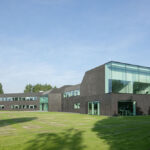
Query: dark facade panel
54	102
142	102
72	88
108	103
93	82
21	95
104	99
60	90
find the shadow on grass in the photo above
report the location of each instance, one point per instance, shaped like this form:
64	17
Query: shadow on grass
68	140
125	133
7	122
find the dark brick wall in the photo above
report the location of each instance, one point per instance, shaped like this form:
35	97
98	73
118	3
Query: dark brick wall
93	82
54	102
142	102
108	103
104	99
8	105
21	95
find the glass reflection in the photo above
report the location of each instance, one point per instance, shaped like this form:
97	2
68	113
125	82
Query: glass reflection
124	78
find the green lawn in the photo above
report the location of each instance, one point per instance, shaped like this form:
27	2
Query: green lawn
67	131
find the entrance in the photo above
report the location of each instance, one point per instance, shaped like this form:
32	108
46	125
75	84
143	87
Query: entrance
44	107
44	103
127	108
94	108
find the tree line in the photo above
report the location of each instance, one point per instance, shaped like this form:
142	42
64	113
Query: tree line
37	88
29	88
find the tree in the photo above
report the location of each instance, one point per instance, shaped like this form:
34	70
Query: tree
28	88
37	88
1	89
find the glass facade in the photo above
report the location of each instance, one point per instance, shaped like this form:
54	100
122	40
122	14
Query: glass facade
18	98
94	108
71	93
125	78
44	103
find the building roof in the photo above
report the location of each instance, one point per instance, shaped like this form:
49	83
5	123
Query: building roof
127	64
72	88
20	94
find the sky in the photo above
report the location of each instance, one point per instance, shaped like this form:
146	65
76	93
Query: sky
57	41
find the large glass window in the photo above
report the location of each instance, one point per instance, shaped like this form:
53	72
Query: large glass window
94	108
124	78
44	99
44	103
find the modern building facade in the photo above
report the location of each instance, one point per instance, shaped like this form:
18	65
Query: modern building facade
111	89
24	101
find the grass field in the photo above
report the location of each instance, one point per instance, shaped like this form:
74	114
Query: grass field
67	131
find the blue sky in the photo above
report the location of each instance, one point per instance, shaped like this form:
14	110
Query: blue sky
56	41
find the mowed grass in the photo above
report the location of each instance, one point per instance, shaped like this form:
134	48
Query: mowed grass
68	131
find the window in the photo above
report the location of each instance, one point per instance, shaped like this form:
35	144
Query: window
71	93
77	106
31	98
9	99
16	106
31	106
23	98
124	78
24	106
4	99
44	99
65	95
34	98
27	98
16	98
2	106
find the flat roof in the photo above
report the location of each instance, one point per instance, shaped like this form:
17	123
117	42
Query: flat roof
20	94
127	64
